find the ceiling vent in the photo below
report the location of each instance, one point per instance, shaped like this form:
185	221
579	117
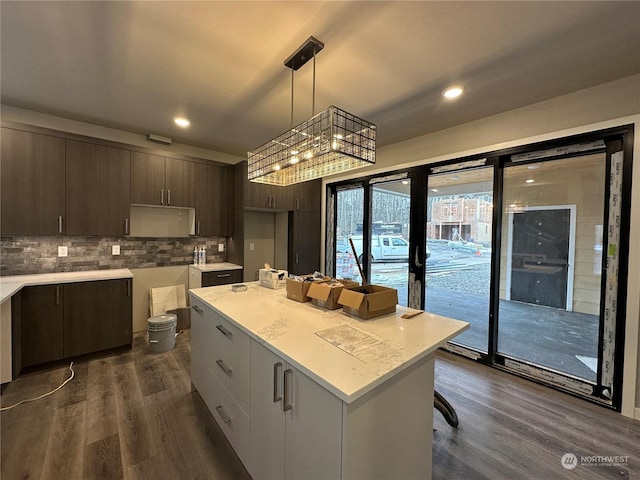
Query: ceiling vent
158	139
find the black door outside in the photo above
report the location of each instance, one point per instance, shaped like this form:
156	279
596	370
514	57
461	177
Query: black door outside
539	266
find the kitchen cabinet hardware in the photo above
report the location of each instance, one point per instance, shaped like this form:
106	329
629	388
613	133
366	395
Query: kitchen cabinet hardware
169	197
276	394
57	295
126	226
297	258
224	331
129	287
223	275
162	196
225	418
198	227
224	368
286	387
197	309
60	224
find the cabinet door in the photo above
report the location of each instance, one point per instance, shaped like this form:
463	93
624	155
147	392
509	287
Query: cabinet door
296	424
180	183
309	196
147	179
42	324
98	186
214	201
267	416
313	429
257	195
32	183
97	316
304	242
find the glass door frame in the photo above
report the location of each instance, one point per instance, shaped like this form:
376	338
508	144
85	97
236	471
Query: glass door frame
617	138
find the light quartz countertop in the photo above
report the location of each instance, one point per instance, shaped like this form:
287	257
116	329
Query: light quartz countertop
9	285
216	267
346	355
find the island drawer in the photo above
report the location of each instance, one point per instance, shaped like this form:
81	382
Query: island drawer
223	328
231	369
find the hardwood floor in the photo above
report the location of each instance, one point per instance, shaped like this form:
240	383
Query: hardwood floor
133	416
130	416
511	428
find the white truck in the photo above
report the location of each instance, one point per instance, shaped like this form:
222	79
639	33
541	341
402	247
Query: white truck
383	247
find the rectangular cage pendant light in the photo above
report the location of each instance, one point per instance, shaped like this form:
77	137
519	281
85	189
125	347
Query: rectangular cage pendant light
333	141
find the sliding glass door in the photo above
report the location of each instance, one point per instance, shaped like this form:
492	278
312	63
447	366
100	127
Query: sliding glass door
551	276
459	230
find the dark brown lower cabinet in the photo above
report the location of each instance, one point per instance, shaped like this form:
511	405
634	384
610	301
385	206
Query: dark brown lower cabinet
97	316
42	321
54	322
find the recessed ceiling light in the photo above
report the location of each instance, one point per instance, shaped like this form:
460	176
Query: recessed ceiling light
529	180
533	167
405	182
182	122
453	92
434	189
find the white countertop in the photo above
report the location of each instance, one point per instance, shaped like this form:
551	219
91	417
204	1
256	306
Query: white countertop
288	328
11	284
215	267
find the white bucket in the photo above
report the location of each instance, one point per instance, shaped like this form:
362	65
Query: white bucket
162	333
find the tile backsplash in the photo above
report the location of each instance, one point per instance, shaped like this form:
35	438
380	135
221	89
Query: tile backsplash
20	255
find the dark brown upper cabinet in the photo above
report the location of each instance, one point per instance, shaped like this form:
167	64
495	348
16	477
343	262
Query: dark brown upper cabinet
32	183
308	195
260	196
214	201
157	180
98	181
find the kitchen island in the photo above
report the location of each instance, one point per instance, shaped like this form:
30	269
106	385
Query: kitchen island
302	392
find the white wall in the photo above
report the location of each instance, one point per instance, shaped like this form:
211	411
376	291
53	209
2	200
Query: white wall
604	106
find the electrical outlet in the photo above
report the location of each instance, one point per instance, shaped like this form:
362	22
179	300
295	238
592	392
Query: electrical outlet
221	247
115	249
63	251
252	246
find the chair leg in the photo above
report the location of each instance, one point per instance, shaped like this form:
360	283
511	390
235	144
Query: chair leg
445	408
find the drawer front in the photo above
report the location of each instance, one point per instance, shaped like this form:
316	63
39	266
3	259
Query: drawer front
233	421
226	331
231	369
222	277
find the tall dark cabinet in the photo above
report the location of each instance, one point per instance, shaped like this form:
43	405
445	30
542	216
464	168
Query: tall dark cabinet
98	189
214	200
32	183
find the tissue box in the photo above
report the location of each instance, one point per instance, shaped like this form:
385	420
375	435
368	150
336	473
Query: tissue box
369	301
272	278
297	290
326	295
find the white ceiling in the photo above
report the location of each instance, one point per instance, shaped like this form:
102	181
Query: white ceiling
135	65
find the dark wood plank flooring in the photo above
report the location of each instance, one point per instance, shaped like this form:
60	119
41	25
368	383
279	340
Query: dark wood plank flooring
134	416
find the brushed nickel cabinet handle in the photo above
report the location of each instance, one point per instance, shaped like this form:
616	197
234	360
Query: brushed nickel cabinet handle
198	228
197	309
225	418
57	295
224	331
274	201
287	401
129	288
297	204
224	368
169	197
224	275
126	226
276	396
59	223
162	196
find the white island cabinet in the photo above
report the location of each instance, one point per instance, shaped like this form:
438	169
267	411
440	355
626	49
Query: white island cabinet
305	393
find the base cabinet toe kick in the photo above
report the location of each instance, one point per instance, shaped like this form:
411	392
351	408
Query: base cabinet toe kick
285	420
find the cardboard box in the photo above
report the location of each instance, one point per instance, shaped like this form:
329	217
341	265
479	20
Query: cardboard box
272	278
325	295
297	290
369	301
